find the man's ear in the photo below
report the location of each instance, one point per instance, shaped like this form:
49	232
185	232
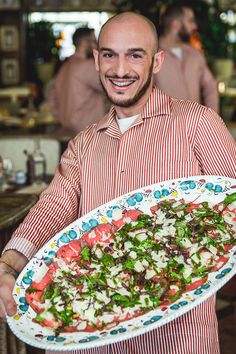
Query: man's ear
158	60
176	25
96	58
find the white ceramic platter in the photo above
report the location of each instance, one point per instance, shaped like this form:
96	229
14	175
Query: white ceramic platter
201	188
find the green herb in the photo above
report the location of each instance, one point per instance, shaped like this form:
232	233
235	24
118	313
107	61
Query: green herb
107	260
230	199
85	253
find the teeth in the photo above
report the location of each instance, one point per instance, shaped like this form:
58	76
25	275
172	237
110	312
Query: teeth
122	84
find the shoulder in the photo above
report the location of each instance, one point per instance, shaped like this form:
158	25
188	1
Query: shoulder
83	140
190	50
187	107
88	65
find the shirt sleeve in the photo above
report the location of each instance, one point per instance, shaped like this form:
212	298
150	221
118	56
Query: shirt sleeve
208	86
215	148
56	208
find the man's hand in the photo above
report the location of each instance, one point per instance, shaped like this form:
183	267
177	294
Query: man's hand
10	261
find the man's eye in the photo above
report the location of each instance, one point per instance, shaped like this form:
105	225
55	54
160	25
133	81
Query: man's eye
136	56
107	55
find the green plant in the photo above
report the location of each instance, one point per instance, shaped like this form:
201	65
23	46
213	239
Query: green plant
214	32
41	41
41	45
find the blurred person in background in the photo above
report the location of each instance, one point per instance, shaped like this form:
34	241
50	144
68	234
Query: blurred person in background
77	98
184	74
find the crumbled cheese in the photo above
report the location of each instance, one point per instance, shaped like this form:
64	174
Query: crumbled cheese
82	325
115	270
133	254
142	236
105	236
187	271
145	263
127	220
111	283
123	291
145	300
89	315
186	242
174	287
213	249
101	296
180	259
92	234
150	273
128	245
138	267
195	258
98	253
107	318
194	248
79	306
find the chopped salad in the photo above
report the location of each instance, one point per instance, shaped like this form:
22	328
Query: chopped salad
121	270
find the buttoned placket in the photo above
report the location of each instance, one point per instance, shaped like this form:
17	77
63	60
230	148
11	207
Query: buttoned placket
123	155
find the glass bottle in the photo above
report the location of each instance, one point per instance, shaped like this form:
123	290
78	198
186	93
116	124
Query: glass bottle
39	164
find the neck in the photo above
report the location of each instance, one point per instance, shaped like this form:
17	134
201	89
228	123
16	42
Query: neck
171	40
80	54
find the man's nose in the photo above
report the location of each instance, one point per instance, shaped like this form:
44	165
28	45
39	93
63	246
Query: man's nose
122	67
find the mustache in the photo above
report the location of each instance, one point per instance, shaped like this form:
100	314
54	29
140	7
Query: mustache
126	77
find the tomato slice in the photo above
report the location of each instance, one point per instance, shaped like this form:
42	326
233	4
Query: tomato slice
228	247
101	233
220	262
193	206
70	252
154	209
128	216
52	323
195	284
34	300
46	280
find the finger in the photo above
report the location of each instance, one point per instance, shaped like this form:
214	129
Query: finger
2	311
8	304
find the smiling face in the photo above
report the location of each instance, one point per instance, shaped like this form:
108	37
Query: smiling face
126	59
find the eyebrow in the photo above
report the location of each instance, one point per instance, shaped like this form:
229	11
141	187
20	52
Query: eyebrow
130	50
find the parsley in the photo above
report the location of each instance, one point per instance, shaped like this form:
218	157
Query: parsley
85	253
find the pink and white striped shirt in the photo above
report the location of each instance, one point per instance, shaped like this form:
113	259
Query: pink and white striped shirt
170	139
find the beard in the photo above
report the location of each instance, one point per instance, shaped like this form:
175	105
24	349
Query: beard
133	100
184	35
89	53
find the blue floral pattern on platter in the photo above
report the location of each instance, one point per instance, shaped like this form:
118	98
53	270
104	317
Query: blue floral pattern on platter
201	188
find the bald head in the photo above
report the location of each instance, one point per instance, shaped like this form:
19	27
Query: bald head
133	22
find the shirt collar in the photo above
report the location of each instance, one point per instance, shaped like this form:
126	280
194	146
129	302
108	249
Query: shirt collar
158	104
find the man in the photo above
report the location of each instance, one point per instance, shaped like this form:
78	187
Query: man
77	98
163	138
184	74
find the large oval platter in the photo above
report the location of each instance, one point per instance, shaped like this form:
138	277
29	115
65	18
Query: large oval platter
201	188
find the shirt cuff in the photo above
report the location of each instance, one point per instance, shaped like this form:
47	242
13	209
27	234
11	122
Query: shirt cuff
21	245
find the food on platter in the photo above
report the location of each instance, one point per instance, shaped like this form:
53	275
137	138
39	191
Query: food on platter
136	263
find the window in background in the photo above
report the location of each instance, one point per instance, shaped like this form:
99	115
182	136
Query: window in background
65	24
